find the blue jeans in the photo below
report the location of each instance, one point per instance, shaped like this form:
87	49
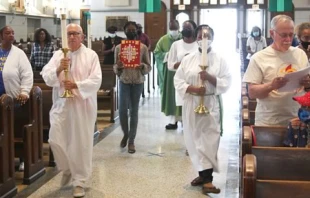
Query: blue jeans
129	96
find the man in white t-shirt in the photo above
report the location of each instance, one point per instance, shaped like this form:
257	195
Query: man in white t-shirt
265	75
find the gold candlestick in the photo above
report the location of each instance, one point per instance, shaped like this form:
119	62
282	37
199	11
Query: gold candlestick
201	108
67	93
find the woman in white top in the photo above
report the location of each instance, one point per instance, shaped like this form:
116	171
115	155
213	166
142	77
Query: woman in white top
171	103
255	42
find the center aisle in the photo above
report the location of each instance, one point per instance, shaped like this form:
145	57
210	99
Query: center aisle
159	168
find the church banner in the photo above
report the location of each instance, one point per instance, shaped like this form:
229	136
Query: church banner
280	5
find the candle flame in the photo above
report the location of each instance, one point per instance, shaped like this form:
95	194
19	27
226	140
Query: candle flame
204	32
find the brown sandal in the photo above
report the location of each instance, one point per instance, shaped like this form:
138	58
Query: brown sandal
131	148
197	181
213	189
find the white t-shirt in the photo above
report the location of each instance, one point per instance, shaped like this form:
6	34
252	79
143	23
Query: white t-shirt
279	107
256	45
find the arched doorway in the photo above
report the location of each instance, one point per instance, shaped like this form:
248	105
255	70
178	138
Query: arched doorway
182	17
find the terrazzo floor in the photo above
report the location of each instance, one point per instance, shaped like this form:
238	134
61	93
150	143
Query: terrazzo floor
160	167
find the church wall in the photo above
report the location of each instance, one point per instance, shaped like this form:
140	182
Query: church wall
99	12
302	8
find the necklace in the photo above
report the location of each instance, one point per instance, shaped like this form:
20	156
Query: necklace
3	56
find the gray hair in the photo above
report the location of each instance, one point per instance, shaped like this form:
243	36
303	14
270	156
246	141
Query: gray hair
75	25
279	18
301	27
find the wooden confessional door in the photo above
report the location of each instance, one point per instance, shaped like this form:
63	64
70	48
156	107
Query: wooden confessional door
155	25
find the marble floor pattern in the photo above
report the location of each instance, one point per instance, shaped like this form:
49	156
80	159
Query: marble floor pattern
159	168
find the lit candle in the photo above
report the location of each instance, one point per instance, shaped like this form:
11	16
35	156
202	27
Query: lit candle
204	46
64	39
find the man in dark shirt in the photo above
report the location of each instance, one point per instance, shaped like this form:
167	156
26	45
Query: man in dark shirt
144	38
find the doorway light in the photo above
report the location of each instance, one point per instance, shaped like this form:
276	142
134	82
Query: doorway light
186	2
181	2
176	2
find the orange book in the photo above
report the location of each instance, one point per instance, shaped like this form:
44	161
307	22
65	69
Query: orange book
130	53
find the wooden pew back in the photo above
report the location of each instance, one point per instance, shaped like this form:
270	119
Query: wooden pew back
47	100
108	79
7	170
255	187
282	163
270	135
28	133
264	136
268	188
37	78
108	94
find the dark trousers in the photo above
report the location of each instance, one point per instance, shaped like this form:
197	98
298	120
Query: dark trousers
206	175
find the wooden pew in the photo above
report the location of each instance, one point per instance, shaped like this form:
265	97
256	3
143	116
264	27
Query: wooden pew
28	135
248	111
97	46
47	100
269	136
276	172
37	78
7	170
265	136
107	96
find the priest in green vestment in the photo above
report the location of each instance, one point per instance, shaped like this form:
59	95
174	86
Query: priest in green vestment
165	77
162	48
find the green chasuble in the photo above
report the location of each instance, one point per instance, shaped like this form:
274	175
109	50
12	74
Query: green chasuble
165	76
161	49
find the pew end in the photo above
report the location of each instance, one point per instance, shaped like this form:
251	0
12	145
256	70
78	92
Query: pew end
28	135
7	171
107	95
249	176
246	141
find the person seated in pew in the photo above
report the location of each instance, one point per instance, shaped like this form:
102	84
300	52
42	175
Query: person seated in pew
109	44
42	49
16	76
299	128
72	119
265	75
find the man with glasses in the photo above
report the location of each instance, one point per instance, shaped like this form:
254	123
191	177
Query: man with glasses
265	75
73	119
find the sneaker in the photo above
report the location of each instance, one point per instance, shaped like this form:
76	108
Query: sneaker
21	166
66	178
172	126
78	191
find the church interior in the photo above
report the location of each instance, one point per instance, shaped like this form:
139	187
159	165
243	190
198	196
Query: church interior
253	163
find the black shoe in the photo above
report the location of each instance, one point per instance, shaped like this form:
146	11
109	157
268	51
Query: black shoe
172	126
123	143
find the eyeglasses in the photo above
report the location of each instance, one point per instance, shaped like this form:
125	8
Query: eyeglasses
73	33
285	35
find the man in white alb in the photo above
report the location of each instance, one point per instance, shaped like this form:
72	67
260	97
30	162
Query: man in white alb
73	119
